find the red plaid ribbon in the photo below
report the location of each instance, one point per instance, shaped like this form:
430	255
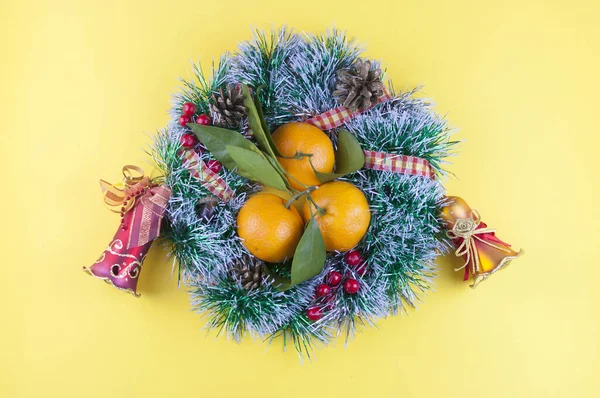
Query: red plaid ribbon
411	165
208	178
375	160
338	116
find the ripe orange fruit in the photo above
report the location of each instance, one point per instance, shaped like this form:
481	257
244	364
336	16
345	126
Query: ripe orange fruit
346	214
268	230
293	138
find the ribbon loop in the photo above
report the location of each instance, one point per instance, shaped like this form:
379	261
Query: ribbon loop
144	198
121	197
129	177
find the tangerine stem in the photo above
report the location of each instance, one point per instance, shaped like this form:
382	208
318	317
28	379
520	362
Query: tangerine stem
320	210
298	156
298	195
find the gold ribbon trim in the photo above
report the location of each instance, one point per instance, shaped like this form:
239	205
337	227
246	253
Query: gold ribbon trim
115	195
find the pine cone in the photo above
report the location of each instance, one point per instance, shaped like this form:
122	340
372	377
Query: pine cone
358	87
248	270
227	107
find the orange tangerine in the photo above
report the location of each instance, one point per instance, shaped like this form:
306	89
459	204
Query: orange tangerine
293	139
268	229
345	215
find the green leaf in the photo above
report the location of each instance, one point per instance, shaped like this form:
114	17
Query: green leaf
258	124
256	166
279	282
216	140
309	257
348	158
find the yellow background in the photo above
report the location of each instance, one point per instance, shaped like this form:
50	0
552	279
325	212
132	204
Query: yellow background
84	85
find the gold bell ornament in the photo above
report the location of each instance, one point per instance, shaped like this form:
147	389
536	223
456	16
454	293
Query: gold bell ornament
483	252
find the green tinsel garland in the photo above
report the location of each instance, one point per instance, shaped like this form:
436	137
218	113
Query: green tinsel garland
298	73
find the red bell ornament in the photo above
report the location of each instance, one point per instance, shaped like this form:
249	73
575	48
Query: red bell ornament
483	252
142	204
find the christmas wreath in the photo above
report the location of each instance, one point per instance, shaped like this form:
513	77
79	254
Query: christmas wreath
300	195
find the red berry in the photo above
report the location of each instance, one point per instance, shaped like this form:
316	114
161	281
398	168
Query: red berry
203	119
353	258
351	286
188	109
187	141
323	290
334	278
184	120
362	269
314	313
214	166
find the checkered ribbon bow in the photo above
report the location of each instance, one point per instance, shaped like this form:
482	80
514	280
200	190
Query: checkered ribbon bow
411	165
208	178
338	116
143	199
376	160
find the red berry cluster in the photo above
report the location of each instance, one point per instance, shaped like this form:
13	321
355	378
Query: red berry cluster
189	140
188	110
333	279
